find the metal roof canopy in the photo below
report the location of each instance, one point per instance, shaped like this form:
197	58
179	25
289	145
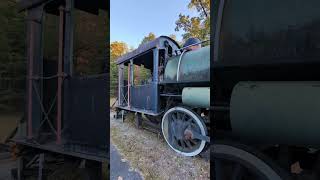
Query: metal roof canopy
52	6
157	43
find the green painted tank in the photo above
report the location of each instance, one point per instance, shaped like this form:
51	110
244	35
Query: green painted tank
277	112
196	97
194	67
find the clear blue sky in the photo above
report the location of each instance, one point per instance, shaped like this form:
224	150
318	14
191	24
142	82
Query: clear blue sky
131	20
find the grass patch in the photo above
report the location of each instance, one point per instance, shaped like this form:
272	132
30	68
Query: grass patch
112	100
129	148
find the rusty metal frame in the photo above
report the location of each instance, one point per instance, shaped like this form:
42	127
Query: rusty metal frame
35	17
38	109
34	70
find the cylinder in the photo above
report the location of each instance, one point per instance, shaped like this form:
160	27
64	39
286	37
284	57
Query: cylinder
277	112
196	97
194	67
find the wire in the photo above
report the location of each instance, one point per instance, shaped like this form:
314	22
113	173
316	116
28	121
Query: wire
205	13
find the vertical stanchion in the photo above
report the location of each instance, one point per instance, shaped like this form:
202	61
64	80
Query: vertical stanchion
138	73
60	74
30	78
129	72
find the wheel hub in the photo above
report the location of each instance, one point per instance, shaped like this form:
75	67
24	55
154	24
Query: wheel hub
188	135
180	130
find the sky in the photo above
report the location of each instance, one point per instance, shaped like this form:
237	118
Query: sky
131	20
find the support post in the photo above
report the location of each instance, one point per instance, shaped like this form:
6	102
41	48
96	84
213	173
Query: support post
20	168
155	80
30	79
68	57
138	73
34	20
60	74
120	84
129	74
40	170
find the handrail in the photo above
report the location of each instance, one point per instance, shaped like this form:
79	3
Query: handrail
178	68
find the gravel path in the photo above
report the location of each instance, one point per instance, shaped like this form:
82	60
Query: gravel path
119	168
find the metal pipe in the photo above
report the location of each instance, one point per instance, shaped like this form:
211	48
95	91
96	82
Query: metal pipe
60	74
179	62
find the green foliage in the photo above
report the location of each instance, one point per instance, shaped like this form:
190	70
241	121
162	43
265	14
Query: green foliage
117	49
172	36
151	36
198	26
90	42
145	74
12	53
89	47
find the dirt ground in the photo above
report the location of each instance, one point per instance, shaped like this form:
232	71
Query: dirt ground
149	154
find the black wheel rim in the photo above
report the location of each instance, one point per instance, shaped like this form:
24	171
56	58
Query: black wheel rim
234	161
230	170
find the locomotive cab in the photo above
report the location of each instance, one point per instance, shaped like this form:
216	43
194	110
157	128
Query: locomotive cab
140	73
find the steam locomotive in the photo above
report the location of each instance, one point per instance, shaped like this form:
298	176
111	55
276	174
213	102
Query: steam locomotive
176	99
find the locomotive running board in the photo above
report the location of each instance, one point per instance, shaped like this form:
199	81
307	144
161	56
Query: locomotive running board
140	111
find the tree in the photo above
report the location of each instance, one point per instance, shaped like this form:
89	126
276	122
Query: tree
117	49
198	26
172	36
151	36
12	60
90	34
